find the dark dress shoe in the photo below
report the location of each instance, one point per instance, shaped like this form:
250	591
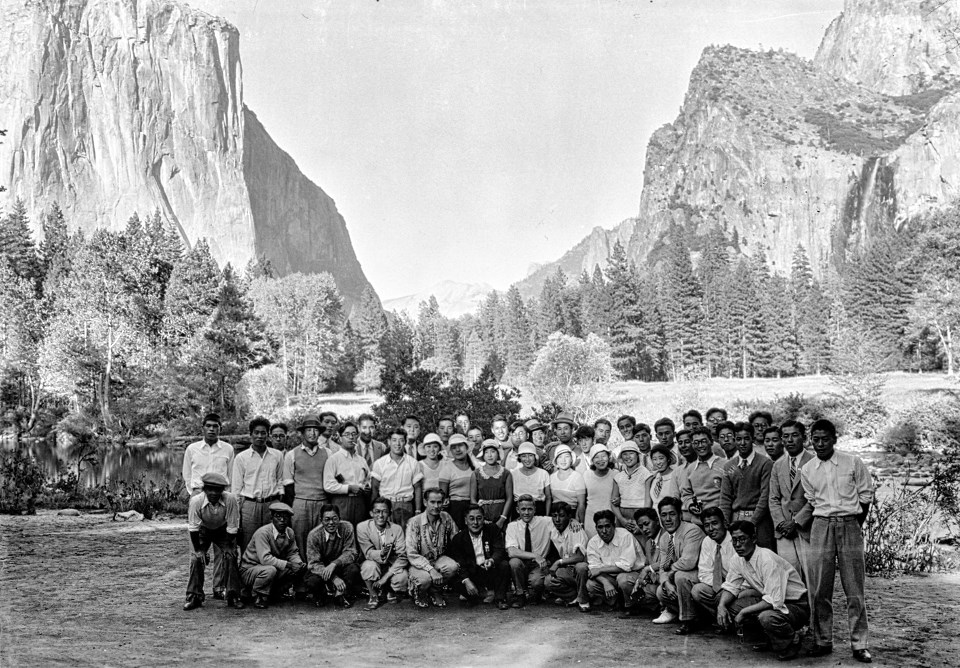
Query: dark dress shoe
820	650
260	602
218	595
791	652
686	628
519	601
862	655
503	605
235	602
762	647
192	603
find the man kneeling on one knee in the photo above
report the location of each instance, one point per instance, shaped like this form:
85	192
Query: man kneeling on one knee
528	544
271	562
763	589
331	558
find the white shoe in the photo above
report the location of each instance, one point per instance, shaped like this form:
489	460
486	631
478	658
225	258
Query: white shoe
665	617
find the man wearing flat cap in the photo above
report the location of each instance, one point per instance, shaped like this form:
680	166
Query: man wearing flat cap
207	455
213	518
303	469
272	562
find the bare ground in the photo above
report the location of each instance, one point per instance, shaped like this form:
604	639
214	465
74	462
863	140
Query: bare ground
90	592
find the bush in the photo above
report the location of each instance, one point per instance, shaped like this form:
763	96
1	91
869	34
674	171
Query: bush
902	438
146	497
794	406
570	371
261	391
859	403
899	534
21	481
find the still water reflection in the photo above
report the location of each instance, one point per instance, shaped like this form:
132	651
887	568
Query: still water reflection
114	462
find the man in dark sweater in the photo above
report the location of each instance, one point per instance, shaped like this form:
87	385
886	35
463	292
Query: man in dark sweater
745	489
482	557
332	558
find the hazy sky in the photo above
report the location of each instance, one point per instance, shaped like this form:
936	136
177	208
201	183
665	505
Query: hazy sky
466	140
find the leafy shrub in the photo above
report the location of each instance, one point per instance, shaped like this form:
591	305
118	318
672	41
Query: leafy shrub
21	481
146	497
859	403
793	406
902	438
899	533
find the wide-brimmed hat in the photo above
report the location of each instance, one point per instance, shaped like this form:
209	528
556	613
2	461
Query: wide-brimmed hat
527	449
458	439
432	438
629	446
664	450
281	507
212	479
597	449
561	450
564	418
310	421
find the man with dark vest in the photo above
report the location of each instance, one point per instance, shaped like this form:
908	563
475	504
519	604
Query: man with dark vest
303	482
745	490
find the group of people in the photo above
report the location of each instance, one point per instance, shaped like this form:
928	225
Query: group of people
718	526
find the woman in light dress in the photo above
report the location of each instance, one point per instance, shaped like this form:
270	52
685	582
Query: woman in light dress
567	484
599	482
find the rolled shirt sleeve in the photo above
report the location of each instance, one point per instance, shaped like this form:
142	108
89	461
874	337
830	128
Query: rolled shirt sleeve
863	480
774	584
288	466
233	513
193	513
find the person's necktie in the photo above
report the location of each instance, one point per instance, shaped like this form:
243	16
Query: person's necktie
793	469
658	486
671	555
527	539
717	570
281	541
743	464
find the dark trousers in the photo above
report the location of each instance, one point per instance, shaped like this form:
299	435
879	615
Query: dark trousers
253	515
779	628
352	509
269	581
836	541
527	574
402	512
569	582
323	589
458	511
228	550
494	579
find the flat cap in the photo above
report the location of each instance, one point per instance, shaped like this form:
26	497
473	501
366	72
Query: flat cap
213	479
280	507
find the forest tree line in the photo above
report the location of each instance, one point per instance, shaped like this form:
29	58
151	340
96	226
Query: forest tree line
131	331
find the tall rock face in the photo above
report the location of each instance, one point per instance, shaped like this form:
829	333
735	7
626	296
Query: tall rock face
897	47
121	106
780	151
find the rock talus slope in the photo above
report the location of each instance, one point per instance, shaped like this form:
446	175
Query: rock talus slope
117	106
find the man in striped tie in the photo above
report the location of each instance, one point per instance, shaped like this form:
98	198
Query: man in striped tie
679	547
789	508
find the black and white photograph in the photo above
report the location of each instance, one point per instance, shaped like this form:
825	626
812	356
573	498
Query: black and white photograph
479	333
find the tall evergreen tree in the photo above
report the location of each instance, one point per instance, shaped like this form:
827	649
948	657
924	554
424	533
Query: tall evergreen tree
370	323
54	246
681	295
16	244
714	274
517	335
627	329
191	295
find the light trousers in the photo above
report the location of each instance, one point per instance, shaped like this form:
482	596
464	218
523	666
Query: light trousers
836	541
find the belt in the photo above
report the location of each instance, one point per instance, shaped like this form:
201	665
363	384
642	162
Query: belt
743	513
403	498
269	499
490	502
836	518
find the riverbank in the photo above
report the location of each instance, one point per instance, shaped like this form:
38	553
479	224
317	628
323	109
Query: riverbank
86	591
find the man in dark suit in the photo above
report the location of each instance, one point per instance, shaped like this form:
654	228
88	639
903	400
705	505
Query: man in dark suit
480	553
745	488
369	448
790	510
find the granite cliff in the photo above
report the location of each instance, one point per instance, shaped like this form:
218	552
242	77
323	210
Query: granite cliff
780	151
120	106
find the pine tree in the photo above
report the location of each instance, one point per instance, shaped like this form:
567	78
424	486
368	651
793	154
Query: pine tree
714	274
548	314
191	295
681	294
54	248
809	315
16	244
232	340
517	335
627	323
370	323
762	318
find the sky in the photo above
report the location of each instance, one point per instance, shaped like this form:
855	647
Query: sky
466	140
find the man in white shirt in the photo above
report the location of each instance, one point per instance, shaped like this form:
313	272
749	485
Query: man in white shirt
346	477
700	590
398	477
209	455
763	589
840	490
612	556
213	518
528	543
257	474
566	578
